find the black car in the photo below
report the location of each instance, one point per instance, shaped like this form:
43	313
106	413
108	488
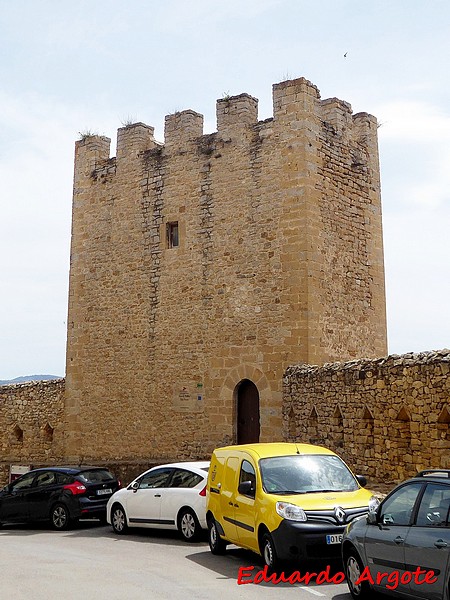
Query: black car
61	495
403	547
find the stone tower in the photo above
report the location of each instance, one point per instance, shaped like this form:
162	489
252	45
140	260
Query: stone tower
202	267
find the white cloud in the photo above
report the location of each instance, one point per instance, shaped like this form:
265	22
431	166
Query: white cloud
411	121
414	139
417	258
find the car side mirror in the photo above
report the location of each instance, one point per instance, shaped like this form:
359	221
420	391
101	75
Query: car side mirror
372	517
361	480
246	488
135	486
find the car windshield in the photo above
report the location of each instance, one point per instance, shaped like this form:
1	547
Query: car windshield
96	476
303	474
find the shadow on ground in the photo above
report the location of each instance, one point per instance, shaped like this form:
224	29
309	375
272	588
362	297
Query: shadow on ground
93	527
242	565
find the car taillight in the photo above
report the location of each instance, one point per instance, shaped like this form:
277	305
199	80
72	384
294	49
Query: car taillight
76	488
203	492
119	484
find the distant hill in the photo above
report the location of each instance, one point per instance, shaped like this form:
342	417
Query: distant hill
26	378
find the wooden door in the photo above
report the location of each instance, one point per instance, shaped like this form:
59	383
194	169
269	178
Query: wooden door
247	413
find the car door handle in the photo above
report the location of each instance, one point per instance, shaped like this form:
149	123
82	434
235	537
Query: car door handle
236	506
399	540
440	544
230	503
157	496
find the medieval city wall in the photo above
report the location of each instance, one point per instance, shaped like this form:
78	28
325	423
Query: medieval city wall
388	418
279	261
32	425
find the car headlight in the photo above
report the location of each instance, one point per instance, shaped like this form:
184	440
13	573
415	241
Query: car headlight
290	511
374	503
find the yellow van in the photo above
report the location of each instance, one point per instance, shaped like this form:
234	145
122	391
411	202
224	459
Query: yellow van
285	501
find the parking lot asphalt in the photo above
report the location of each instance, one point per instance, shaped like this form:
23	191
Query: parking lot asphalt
92	562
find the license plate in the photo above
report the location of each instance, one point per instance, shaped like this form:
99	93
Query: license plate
334	539
104	492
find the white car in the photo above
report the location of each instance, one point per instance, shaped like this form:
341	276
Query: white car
171	496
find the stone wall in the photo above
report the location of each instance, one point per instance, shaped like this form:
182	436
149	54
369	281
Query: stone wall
389	417
32	425
32	422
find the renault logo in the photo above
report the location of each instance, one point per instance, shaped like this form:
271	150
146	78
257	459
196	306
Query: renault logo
340	514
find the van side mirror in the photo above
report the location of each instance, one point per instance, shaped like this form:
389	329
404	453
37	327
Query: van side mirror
361	480
246	488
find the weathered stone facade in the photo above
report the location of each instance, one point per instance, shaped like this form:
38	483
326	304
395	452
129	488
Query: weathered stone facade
389	417
214	260
32	424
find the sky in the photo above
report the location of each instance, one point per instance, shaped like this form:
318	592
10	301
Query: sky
70	67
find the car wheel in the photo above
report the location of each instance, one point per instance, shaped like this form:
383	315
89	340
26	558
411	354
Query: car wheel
216	543
353	571
268	552
188	525
59	517
119	519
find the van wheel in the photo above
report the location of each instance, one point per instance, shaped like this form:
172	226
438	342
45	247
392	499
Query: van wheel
268	552
216	543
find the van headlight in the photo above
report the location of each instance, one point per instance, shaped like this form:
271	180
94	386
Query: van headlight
290	511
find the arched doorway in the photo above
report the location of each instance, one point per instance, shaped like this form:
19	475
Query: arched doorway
247	413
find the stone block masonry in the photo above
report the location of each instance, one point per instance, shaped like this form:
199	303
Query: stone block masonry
32	425
388	417
204	266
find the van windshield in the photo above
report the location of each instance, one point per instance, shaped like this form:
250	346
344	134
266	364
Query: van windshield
303	474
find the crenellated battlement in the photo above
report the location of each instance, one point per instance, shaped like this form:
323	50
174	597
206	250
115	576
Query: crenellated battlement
133	139
296	105
235	113
293	97
182	127
337	113
365	129
91	152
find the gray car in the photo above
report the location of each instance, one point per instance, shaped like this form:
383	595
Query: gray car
403	547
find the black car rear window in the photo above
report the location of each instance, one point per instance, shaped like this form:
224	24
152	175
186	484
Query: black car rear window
64	478
96	476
